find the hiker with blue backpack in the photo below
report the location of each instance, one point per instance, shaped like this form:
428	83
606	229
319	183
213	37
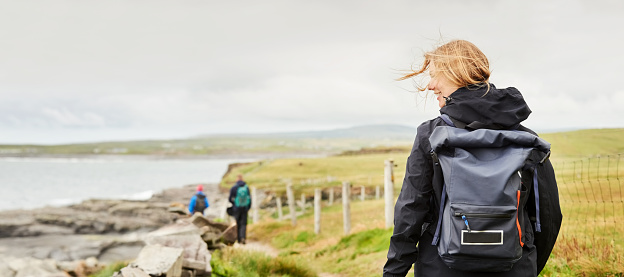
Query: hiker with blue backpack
479	197
199	201
241	202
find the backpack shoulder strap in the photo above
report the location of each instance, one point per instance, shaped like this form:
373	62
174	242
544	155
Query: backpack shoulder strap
447	120
436	236
533	167
453	122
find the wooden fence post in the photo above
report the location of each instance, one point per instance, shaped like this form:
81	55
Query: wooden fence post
363	194
389	193
291	204
331	196
303	202
254	204
346	208
377	194
278	201
317	211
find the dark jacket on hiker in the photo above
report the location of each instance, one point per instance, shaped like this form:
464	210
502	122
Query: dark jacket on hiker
232	197
240	213
419	200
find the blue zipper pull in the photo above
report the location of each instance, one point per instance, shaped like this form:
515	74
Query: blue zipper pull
466	222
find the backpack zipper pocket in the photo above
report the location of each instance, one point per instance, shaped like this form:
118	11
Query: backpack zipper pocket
465	216
484	215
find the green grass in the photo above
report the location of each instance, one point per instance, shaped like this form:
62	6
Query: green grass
585	143
308	173
362	253
365	242
233	262
588	167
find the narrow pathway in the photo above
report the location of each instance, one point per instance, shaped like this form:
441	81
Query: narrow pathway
259	247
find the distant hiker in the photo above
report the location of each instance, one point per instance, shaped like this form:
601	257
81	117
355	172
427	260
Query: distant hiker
241	202
199	201
447	223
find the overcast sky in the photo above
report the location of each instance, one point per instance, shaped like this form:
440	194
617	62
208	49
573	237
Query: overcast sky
85	71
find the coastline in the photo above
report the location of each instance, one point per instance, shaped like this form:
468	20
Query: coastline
109	230
57	181
220	156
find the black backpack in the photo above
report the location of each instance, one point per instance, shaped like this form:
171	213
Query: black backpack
200	203
480	220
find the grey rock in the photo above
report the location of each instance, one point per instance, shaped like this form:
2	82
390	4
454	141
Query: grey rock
59	254
5	269
128	209
81	252
199	220
31	267
91	229
121	251
178	210
210	229
41	229
185	236
230	235
68	266
210	238
194	264
42	252
158	260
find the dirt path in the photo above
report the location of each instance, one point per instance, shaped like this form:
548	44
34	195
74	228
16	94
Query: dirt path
259	247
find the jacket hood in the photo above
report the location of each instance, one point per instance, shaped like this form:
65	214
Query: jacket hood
496	109
240	183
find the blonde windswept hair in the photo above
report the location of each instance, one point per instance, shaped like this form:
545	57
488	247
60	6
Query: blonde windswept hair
459	61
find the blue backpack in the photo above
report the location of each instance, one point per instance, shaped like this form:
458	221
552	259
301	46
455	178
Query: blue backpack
482	206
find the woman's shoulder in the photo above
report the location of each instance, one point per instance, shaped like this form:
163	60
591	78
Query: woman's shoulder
427	127
423	132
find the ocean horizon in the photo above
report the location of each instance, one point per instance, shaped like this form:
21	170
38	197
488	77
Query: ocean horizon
36	182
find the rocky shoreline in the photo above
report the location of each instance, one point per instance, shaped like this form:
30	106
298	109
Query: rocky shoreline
98	231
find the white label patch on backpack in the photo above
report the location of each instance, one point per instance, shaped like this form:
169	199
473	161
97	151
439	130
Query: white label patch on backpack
487	237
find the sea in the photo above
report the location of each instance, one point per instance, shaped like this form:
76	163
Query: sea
27	183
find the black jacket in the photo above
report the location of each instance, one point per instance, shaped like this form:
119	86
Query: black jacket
418	202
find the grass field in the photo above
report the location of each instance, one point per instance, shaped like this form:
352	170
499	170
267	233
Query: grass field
589	172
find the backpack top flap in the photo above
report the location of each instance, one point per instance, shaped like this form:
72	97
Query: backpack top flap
482	161
447	136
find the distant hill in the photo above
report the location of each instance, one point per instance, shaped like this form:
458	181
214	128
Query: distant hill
360	139
237	145
379	131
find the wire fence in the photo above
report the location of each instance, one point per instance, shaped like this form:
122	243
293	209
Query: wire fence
591	193
592	199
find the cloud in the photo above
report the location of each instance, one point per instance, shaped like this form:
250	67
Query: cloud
64	117
172	69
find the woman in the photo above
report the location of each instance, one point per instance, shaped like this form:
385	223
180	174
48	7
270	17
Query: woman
460	74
